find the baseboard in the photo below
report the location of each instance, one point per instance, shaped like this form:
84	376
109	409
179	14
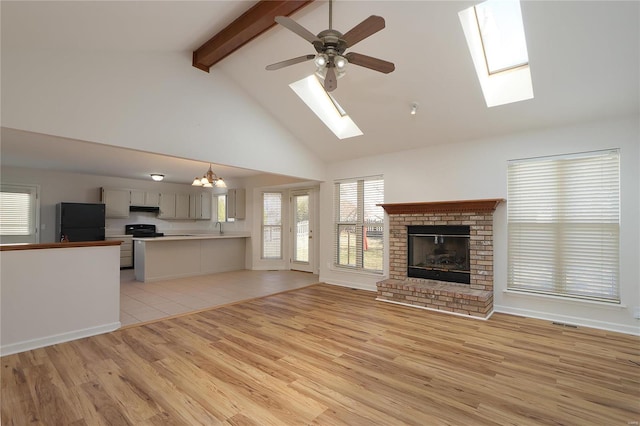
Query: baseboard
351	284
566	319
28	345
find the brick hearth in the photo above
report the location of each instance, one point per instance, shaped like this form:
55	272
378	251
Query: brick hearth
475	299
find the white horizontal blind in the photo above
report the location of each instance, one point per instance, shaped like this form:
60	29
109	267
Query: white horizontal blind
272	225
563	225
18	213
359	223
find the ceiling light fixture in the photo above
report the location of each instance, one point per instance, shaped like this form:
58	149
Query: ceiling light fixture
325	107
157	177
209	180
414	108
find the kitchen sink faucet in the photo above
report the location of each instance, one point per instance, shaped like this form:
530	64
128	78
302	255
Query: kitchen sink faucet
219	223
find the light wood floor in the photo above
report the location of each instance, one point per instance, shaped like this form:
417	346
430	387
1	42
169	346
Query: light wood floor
328	355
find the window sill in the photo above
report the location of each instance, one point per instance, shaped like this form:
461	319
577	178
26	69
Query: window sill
610	305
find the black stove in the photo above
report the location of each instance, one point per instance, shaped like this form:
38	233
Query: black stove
142	231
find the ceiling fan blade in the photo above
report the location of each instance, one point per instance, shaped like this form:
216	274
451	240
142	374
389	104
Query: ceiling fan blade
364	29
370	62
330	80
292	25
288	62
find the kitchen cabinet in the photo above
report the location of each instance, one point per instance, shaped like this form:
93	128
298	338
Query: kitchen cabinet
116	202
144	198
200	206
236	203
126	250
182	206
167	206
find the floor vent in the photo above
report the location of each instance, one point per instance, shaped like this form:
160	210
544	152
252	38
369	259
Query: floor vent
564	325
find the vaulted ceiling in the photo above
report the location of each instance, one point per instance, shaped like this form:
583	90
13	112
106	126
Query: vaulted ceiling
584	60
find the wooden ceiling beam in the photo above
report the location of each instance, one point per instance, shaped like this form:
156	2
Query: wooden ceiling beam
249	25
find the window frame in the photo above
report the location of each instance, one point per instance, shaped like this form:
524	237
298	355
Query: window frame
563	223
264	226
34	213
359	223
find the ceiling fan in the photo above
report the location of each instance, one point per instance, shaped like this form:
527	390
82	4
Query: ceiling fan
330	45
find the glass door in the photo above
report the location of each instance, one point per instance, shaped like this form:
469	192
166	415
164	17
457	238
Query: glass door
302	241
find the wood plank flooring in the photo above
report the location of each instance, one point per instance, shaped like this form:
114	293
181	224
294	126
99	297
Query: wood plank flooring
326	355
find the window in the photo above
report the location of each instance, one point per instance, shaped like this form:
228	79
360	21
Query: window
221	208
19	207
495	34
272	225
359	224
563	225
502	34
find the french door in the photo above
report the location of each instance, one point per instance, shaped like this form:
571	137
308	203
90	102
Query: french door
302	231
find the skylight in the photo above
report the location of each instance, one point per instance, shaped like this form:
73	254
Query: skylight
325	107
502	34
495	35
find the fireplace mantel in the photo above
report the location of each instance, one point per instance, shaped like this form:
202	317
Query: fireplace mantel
487	205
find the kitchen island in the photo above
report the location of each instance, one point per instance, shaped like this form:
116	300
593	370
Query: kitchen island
176	256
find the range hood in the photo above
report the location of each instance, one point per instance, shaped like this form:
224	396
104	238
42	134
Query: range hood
145	209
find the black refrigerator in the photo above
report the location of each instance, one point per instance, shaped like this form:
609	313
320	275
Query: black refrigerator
80	222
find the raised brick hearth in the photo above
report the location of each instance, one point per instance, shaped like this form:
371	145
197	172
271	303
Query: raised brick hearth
474	299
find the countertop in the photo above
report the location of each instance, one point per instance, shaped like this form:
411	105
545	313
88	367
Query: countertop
182	237
13	247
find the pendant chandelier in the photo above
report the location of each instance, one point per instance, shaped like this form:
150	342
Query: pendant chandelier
209	180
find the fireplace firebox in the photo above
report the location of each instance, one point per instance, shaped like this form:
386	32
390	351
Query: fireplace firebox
439	252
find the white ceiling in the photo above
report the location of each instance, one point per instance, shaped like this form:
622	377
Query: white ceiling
584	60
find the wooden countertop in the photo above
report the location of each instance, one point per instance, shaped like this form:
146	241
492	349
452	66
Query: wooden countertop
13	247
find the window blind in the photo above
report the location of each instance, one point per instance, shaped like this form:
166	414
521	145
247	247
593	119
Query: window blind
272	225
359	223
18	213
563	225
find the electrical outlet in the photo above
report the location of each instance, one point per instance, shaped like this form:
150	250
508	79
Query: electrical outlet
636	312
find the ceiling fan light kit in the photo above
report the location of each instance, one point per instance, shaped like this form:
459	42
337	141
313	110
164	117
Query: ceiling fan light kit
330	45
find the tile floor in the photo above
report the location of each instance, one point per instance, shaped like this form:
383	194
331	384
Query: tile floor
140	302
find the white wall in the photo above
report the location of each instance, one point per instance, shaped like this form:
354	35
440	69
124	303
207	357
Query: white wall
56	187
478	169
155	102
55	295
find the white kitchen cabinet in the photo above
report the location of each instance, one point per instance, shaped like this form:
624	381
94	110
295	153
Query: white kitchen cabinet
116	202
182	206
236	203
167	206
126	249
200	206
145	198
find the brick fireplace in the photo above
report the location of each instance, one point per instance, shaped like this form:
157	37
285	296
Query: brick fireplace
474	299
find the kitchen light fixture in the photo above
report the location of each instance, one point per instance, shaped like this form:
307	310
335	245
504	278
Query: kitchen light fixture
157	177
414	108
209	180
325	107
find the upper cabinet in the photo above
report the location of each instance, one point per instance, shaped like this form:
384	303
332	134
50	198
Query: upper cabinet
182	206
200	205
167	206
144	198
116	202
172	205
236	203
